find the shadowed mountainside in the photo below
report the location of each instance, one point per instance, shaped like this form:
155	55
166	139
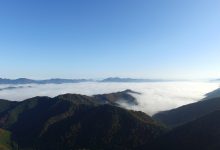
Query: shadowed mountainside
73	121
186	113
213	94
201	134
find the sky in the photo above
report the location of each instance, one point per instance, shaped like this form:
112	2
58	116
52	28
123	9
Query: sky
169	39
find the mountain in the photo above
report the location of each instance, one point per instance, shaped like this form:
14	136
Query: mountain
117	79
117	98
103	127
6	105
48	81
201	134
214	80
73	121
189	112
213	94
80	122
16	81
60	81
14	87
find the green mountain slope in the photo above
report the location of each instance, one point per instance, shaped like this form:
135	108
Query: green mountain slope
5	140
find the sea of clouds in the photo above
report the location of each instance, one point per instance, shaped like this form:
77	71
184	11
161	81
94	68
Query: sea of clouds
156	96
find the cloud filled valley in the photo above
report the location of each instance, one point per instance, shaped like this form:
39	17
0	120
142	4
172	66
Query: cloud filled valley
154	97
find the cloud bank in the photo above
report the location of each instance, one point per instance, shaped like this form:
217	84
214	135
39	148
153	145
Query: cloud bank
156	96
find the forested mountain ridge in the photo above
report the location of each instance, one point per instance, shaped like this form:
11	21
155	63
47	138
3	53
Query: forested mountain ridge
73	121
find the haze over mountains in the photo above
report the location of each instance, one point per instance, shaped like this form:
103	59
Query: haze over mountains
117	79
61	81
47	81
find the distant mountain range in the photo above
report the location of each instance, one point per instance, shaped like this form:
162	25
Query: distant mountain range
14	87
48	81
60	81
116	79
215	80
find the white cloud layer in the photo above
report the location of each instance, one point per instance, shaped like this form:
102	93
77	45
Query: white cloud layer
155	97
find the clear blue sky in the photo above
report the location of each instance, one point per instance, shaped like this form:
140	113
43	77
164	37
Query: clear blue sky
101	38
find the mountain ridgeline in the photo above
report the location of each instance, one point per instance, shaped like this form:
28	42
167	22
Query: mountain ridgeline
80	122
47	81
190	112
193	126
62	81
73	121
117	79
